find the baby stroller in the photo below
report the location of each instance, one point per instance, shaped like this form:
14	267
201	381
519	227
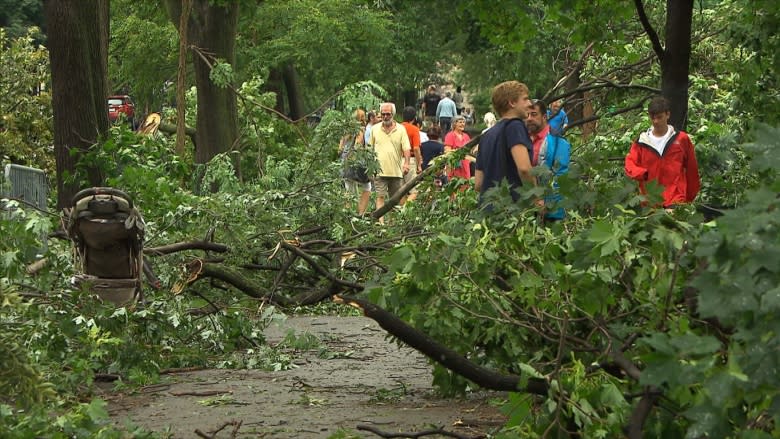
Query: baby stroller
107	232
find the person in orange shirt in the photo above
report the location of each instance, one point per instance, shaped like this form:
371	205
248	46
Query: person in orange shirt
415	165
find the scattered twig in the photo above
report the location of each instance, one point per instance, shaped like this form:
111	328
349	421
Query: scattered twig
201	393
440	431
154	388
173	370
235	423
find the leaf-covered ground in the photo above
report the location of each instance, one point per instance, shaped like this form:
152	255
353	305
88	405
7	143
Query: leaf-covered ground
354	376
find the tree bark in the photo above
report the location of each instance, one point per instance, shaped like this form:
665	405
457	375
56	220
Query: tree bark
675	57
212	30
675	66
294	93
77	40
274	85
181	78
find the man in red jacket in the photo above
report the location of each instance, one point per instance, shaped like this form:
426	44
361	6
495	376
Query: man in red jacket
664	155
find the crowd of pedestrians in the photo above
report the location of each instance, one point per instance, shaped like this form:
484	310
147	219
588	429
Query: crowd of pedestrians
521	135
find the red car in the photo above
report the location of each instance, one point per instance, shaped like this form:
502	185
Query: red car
121	104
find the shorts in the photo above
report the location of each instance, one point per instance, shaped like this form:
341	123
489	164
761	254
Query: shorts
387	186
412	174
353	186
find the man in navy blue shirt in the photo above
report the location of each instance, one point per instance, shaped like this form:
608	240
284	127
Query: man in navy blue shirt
505	150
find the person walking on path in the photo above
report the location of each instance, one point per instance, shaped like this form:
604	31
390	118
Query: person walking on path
548	150
454	140
371	119
430	103
347	146
666	156
415	162
505	150
458	99
391	145
445	112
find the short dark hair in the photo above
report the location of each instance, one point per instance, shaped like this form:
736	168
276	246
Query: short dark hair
658	105
538	103
434	132
409	113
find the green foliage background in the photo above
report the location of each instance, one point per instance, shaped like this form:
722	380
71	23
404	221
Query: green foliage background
690	302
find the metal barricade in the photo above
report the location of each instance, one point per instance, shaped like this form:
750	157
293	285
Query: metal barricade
29	186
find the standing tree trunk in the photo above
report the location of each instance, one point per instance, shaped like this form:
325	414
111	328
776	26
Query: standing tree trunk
675	57
212	30
274	85
675	65
181	78
77	39
294	94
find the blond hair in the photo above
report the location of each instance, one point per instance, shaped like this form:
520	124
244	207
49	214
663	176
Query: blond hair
505	93
360	115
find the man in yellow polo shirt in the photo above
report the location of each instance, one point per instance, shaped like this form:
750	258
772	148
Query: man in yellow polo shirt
392	148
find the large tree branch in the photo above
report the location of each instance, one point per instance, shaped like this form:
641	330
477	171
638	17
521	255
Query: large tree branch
416	435
191	245
651	33
445	356
199	269
577	67
585	120
604	83
171	129
640	414
319	269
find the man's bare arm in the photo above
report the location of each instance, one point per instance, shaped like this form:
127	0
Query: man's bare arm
479	179
523	163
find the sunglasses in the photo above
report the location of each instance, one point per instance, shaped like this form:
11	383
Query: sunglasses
386	114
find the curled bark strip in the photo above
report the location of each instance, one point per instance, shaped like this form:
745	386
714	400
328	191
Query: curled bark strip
443	355
439	431
192	245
